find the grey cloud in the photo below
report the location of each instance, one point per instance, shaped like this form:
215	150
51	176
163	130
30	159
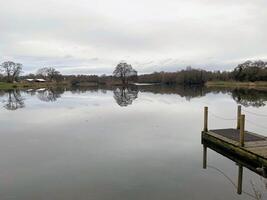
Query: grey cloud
92	36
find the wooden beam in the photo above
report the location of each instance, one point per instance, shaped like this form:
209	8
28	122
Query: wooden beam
204	157
238	117
240	179
242	130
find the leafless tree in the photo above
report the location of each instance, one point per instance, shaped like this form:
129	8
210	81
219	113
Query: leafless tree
124	71
11	70
49	73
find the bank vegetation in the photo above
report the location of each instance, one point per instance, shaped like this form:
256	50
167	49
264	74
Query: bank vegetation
247	74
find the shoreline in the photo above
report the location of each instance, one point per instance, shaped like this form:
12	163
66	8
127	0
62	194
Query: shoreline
12	86
229	84
236	84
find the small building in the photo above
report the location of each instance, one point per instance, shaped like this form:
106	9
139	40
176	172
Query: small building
40	80
29	80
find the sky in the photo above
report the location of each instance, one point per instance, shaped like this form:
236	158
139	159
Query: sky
93	36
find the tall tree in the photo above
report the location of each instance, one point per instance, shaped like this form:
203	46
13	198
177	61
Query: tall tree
49	73
251	71
11	70
124	72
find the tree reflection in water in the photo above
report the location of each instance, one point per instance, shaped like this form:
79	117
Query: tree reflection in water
14	100
125	96
250	97
49	95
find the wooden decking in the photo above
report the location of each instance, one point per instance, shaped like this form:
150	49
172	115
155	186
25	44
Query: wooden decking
255	145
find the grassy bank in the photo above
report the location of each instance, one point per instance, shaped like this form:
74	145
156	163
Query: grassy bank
260	84
7	86
233	84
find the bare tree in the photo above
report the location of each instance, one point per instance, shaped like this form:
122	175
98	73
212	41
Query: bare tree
124	71
11	70
49	73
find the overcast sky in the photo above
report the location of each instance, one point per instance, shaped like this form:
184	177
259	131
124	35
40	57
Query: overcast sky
92	36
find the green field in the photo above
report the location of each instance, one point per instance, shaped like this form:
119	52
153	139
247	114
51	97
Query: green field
7	86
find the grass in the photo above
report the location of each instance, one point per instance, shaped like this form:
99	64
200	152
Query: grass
8	86
234	84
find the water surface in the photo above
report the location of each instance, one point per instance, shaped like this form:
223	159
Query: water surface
122	143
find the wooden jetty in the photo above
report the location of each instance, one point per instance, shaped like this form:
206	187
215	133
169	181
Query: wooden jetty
239	163
238	142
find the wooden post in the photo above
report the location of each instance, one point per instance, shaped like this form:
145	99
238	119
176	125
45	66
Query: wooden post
240	179
238	116
242	130
205	119
204	157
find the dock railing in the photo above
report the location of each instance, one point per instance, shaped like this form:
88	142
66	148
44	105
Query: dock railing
240	123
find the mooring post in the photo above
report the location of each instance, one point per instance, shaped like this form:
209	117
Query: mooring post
240	179
204	157
242	130
238	116
205	119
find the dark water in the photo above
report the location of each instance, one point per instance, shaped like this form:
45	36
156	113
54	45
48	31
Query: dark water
111	144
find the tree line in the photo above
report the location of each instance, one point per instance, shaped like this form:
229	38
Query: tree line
12	72
249	71
125	74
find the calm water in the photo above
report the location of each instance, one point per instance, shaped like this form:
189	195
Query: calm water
112	144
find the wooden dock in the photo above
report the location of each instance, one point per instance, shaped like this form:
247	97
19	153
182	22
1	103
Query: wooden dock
240	164
238	142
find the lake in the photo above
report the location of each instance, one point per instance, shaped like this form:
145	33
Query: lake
123	143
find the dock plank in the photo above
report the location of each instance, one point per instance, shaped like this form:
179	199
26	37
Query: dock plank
256	144
259	149
233	134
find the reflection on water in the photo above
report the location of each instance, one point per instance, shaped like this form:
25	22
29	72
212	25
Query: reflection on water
125	96
47	95
255	193
79	143
14	100
250	97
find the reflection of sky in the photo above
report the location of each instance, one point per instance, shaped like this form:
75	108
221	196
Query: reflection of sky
86	146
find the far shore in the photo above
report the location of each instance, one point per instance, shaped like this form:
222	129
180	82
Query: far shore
21	85
35	85
236	84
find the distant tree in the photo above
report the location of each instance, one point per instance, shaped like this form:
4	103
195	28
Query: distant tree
11	70
49	73
32	76
1	77
124	72
251	71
